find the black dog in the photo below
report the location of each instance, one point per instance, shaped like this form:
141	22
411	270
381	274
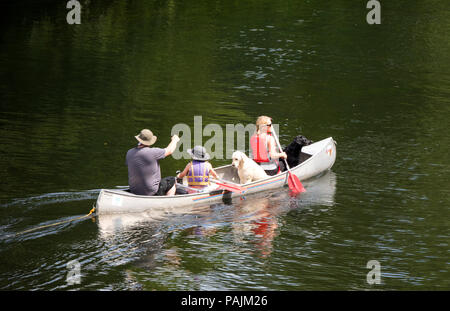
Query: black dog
293	151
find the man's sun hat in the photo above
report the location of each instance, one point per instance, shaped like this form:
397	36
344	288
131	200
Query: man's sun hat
199	153
146	137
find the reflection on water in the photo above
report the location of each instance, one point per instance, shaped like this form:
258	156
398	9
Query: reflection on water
257	223
182	249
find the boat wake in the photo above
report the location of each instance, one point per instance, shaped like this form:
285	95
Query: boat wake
19	222
51	198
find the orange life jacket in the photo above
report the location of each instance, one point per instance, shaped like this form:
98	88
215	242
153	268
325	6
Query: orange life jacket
260	148
260	152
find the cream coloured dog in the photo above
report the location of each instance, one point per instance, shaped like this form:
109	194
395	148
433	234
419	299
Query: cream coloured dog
248	170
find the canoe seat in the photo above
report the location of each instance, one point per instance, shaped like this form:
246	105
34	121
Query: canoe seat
228	173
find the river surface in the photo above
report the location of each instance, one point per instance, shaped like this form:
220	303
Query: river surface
73	97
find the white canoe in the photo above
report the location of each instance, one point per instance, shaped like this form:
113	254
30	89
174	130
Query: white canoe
321	157
321	191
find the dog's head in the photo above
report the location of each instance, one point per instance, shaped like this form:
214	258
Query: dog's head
238	159
296	145
302	140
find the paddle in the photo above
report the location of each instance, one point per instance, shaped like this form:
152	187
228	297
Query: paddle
189	188
294	183
228	186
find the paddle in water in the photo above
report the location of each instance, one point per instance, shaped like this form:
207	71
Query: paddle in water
294	183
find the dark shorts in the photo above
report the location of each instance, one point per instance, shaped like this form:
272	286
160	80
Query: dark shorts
272	172
165	185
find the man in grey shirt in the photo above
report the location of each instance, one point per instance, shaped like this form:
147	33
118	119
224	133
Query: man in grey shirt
144	174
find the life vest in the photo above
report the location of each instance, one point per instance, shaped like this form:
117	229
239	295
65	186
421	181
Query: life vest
198	174
260	152
260	149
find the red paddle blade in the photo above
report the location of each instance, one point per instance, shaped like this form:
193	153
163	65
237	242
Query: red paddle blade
232	188
295	185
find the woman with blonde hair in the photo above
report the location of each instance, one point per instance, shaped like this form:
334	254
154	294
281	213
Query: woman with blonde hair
263	147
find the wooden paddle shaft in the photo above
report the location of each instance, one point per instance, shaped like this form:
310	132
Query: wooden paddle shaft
279	147
187	187
225	182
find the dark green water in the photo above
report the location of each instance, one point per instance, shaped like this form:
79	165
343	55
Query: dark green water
73	96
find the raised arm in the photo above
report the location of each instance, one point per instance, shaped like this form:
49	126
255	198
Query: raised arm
172	146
